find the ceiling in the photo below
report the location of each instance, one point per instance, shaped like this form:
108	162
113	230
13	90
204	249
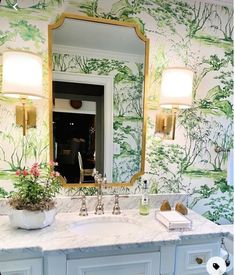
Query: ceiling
99	36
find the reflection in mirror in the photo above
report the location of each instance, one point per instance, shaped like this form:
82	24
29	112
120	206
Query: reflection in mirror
98	97
77	110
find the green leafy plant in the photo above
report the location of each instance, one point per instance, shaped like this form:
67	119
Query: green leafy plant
3	193
36	187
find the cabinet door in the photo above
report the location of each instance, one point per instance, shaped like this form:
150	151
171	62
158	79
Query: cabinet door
22	267
134	264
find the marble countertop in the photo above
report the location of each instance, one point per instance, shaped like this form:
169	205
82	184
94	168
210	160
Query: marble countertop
230	229
59	237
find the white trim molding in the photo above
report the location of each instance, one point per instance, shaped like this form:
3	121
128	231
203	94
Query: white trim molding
107	82
63	106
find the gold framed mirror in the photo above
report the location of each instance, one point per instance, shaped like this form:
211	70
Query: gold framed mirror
87	68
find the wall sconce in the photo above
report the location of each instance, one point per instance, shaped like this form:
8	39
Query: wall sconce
175	94
22	78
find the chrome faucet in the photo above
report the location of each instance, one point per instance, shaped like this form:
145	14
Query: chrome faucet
116	207
83	209
100	182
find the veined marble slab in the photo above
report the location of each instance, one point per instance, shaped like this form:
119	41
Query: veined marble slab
59	238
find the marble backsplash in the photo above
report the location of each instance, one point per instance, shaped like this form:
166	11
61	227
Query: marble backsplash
73	204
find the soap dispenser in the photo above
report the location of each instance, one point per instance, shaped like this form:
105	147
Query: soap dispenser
144	202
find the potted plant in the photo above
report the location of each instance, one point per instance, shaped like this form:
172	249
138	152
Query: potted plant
32	202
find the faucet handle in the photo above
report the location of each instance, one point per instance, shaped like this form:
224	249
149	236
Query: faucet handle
83	209
116	207
99	209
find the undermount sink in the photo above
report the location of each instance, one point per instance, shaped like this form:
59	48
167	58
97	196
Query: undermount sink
105	226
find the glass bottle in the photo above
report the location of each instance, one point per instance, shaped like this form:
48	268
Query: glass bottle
144	202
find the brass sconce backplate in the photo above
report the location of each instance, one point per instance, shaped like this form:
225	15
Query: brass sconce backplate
165	124
30	115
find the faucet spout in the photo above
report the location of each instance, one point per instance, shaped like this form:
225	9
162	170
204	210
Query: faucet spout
99	209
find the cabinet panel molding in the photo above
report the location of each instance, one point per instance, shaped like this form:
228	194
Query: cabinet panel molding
22	267
135	264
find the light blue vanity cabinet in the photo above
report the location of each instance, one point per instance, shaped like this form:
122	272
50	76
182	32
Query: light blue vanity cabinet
187	258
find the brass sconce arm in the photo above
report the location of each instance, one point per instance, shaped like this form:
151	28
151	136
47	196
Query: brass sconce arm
166	123
25	115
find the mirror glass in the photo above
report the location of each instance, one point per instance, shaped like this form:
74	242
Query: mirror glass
98	82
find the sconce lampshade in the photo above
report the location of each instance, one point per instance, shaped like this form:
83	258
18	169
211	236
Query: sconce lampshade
22	75
176	88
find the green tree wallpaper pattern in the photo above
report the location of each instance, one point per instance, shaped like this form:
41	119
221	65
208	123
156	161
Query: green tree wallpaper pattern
182	33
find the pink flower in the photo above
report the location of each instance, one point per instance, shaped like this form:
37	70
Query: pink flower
52	163
18	172
35	165
57	174
25	173
35	170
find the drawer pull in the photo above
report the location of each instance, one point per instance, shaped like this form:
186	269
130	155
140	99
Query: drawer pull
199	260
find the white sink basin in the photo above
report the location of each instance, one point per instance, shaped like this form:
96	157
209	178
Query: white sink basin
105	226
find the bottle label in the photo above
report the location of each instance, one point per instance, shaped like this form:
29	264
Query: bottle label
144	200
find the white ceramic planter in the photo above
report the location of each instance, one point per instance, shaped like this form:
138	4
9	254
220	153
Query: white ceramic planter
32	219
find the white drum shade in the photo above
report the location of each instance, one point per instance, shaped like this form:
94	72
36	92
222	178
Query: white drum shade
176	88
22	75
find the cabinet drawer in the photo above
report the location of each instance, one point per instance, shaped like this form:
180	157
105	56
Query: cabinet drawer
192	259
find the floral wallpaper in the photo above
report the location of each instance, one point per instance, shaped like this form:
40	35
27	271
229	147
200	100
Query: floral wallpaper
194	34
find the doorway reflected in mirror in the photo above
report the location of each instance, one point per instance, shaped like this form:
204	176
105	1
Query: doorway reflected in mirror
76	142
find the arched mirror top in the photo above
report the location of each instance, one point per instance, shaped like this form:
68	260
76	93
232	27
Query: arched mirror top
101	64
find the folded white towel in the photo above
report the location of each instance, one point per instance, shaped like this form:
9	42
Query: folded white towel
173	220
